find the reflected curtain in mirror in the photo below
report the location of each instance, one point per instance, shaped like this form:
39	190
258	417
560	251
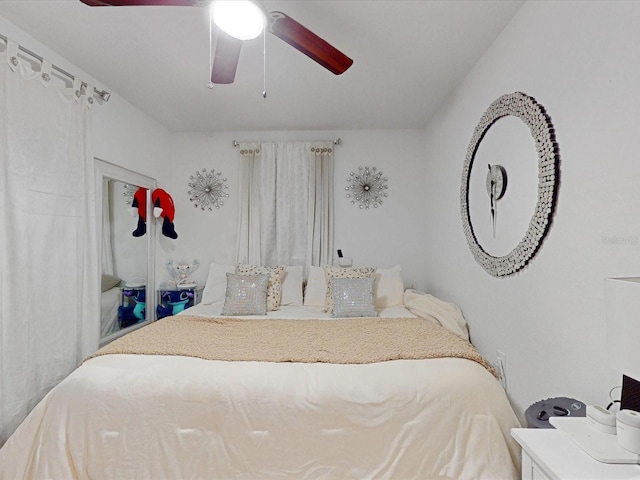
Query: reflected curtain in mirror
107	251
124	258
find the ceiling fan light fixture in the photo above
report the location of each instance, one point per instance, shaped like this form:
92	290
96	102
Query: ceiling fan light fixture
242	19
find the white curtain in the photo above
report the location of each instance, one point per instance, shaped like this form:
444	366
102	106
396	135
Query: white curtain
286	203
107	248
49	294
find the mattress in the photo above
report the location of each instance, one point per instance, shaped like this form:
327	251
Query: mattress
154	416
109	303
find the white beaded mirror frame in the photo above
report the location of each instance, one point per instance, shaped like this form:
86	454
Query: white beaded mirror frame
535	117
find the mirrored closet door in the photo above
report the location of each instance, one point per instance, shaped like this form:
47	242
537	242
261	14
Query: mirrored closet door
125	236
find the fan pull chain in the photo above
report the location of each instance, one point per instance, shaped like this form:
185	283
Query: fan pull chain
210	85
264	63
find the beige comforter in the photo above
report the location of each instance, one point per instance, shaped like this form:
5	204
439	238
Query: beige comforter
134	416
352	341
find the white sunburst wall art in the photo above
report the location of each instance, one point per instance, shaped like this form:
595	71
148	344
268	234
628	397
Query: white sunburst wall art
367	187
128	191
207	189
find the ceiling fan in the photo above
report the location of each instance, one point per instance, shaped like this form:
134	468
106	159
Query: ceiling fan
228	46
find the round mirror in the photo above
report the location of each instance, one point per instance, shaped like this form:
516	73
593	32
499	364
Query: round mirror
509	180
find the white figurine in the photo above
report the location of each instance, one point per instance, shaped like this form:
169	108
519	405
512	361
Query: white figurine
181	273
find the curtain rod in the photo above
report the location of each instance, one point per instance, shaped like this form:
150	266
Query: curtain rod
103	94
337	141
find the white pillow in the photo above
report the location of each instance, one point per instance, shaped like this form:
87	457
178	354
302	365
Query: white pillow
389	287
216	286
316	292
292	286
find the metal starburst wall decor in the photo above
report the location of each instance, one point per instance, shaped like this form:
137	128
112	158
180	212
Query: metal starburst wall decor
128	192
207	189
367	187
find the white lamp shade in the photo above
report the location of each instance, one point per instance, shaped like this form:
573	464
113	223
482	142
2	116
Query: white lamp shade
242	19
622	301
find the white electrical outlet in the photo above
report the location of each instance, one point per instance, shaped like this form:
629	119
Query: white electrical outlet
501	367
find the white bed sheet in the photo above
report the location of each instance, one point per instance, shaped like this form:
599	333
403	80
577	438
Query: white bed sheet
290	312
161	417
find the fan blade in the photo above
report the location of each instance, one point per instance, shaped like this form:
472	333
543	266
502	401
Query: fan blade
225	58
304	40
127	3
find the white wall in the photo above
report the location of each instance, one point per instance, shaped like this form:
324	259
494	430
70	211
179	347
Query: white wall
579	60
391	234
124	135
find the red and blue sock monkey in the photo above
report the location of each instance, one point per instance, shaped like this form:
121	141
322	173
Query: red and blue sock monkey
162	207
139	206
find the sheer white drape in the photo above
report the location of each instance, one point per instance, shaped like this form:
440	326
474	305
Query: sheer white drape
286	204
49	304
107	248
320	246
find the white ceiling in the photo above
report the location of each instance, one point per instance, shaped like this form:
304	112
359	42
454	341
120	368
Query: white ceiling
408	56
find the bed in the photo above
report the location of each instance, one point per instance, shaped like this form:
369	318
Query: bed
156	404
110	299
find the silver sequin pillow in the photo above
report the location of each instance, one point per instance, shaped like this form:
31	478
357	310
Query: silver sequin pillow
274	287
338	272
246	295
353	297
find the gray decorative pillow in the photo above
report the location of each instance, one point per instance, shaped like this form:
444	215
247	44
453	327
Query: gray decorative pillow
353	297
274	287
246	295
338	272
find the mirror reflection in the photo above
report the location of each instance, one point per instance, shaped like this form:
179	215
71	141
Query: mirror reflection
124	257
507	143
126	250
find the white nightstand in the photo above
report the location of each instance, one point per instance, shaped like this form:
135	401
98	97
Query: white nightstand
548	454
